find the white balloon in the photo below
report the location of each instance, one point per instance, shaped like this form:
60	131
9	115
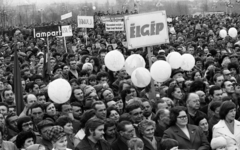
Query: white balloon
59	91
233	32
133	62
114	60
141	77
161	71
223	33
175	60
94	7
188	62
87	66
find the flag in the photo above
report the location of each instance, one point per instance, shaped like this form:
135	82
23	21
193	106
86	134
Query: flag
159	4
17	84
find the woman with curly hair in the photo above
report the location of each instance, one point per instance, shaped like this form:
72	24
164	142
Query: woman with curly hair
25	139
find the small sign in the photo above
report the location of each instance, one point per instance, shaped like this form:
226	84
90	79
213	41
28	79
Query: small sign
85	22
65	16
114	26
67	31
47	31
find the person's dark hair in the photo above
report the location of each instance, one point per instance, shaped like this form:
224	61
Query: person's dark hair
59	107
108	123
197	86
109	109
73	81
216	76
63	120
223	83
215	105
96	103
167	144
23	136
77	104
134	105
101	75
121	125
199	118
121	86
36	105
30	86
225	108
3	92
92	125
88	114
4	104
214	88
174	112
96	61
172	89
233	65
7	121
194	73
73	98
92	77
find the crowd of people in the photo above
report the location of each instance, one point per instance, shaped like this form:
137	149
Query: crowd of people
197	109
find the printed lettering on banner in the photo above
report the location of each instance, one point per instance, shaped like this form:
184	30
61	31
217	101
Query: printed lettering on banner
47	31
85	22
114	26
146	29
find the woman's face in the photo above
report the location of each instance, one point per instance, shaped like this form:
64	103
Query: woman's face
197	76
177	94
51	110
28	142
204	124
119	104
182	119
133	93
87	60
231	115
92	62
40	69
114	115
78	93
68	128
61	144
149	132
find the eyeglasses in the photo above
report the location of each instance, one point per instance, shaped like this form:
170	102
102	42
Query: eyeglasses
182	117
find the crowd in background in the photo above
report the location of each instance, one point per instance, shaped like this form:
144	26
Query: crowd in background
197	109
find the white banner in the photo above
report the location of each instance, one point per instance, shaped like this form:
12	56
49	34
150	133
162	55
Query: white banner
65	16
85	22
114	26
146	29
67	31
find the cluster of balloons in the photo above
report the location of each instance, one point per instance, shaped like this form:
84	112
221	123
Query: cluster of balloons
232	32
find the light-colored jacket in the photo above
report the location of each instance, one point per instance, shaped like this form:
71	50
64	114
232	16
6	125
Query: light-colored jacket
233	140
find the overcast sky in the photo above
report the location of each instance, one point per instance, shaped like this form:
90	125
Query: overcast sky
15	2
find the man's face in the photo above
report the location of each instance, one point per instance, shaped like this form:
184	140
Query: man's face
103	80
98	133
73	65
27	126
35	89
37	114
227	74
137	115
194	102
229	87
3	110
13	121
102	55
129	132
42	99
12	110
147	109
44	132
101	111
162	106
66	108
31	99
219	81
52	62
217	95
9	96
111	131
77	112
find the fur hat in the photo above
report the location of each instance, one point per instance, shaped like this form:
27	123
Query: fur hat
218	142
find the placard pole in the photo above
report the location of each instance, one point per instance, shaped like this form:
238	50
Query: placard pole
65	43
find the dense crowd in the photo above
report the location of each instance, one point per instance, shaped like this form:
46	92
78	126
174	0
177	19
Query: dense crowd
197	109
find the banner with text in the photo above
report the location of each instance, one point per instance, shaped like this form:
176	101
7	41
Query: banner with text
114	26
47	31
112	18
65	16
85	22
146	29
